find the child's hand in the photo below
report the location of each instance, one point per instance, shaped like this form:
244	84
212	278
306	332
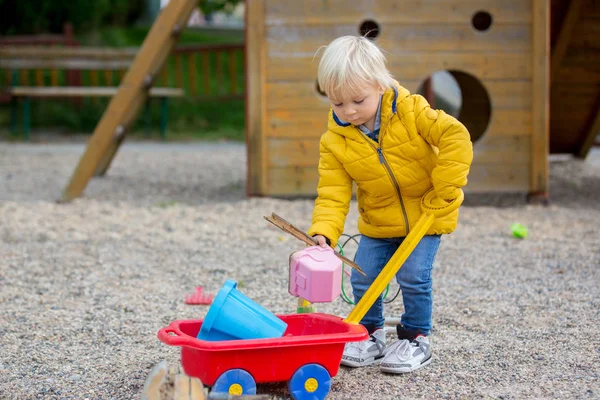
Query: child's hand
440	203
322	240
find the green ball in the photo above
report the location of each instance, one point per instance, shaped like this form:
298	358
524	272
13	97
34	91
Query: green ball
519	231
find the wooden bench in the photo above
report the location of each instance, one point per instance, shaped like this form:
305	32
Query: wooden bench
28	70
28	92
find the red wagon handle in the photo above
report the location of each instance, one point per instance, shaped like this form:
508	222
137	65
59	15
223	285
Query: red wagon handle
173	336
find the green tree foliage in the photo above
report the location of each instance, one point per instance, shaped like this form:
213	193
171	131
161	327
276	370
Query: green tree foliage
210	6
124	12
22	17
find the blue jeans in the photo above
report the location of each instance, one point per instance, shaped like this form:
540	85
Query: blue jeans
414	279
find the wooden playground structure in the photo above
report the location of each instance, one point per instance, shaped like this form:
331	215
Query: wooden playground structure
513	85
527	71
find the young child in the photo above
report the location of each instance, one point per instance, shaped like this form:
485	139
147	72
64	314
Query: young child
395	148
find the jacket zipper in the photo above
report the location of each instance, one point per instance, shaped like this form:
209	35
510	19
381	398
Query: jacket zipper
383	161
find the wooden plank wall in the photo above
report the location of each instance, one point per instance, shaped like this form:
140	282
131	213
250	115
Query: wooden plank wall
420	38
255	103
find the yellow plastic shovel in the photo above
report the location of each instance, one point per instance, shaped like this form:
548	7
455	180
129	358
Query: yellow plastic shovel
430	213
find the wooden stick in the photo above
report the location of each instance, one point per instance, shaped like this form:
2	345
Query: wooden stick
308	241
302	236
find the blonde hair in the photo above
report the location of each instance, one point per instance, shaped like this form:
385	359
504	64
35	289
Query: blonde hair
349	63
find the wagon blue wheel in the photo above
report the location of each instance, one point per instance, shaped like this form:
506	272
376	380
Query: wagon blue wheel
310	382
235	382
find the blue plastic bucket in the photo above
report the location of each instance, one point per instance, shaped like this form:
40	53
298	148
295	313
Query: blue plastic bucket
233	316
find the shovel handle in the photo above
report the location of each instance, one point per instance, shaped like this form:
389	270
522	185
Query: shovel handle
431	211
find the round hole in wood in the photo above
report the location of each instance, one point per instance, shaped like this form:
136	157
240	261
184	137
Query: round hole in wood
461	95
369	29
482	20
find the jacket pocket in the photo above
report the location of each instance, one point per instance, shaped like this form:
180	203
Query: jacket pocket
360	194
363	215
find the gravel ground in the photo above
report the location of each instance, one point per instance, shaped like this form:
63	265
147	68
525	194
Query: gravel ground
85	286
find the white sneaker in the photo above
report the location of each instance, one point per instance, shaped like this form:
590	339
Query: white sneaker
367	352
406	356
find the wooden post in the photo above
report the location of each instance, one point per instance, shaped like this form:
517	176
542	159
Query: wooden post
538	184
131	95
107	157
255	98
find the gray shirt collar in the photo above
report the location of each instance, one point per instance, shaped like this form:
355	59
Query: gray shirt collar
366	130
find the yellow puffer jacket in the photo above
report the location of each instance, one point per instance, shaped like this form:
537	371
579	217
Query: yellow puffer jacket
418	148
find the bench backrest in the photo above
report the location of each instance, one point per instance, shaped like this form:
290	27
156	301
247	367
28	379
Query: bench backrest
201	70
60	66
66	38
74	58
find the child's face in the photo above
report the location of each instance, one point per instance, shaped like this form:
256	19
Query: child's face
360	108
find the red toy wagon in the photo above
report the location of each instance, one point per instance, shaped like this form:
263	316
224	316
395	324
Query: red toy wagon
310	350
306	356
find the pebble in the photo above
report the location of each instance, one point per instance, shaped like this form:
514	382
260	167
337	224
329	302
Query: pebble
85	286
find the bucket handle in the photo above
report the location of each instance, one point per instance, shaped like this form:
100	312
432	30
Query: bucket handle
172	336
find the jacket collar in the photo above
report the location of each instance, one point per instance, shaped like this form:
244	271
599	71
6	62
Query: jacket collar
389	106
